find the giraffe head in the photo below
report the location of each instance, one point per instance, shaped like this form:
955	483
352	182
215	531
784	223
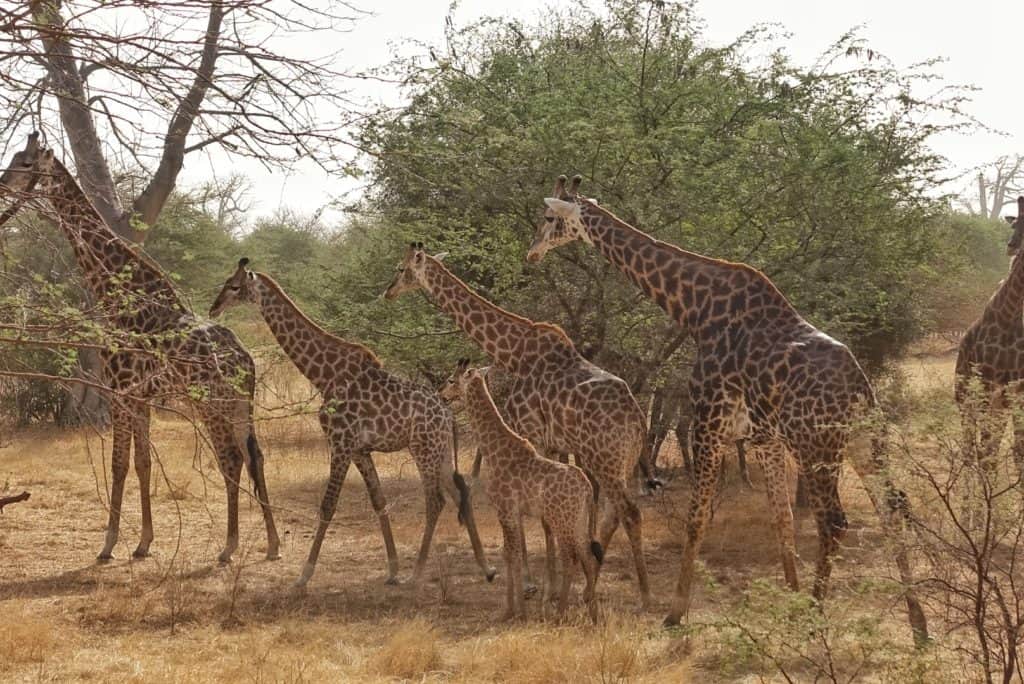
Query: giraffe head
239	289
29	168
562	222
455	386
1017	223
410	272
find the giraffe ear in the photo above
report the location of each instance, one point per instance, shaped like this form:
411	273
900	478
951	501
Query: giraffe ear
440	256
243	262
562	208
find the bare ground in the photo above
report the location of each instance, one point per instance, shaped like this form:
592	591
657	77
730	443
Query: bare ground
181	616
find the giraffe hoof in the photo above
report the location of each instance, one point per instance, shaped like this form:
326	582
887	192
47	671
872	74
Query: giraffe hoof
273	555
529	590
140	553
491	574
392	581
670	621
104	558
224	559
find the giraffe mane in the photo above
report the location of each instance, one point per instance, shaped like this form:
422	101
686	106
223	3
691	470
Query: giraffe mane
273	284
536	325
668	246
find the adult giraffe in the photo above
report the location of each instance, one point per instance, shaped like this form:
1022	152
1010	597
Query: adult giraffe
200	361
559	401
761	372
992	354
364	409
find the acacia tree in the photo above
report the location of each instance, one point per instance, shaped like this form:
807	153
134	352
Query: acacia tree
128	86
997	185
822	176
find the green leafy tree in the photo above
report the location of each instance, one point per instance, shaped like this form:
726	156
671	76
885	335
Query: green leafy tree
821	176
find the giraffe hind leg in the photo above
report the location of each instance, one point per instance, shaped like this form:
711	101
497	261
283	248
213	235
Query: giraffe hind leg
140	437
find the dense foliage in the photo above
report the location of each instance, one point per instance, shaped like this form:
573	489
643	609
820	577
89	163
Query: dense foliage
820	176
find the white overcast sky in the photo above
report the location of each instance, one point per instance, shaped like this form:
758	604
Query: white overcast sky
977	39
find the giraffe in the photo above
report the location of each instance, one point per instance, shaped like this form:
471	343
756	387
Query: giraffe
991	352
364	409
762	373
520	482
183	357
559	401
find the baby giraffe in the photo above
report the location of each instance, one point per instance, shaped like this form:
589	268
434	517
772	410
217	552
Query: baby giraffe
521	482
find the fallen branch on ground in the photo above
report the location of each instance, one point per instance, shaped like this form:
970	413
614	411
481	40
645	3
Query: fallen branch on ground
4	500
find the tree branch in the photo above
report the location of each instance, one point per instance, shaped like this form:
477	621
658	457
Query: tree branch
149	204
4	500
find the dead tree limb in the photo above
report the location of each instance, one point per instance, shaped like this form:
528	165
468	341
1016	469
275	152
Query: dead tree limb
4	500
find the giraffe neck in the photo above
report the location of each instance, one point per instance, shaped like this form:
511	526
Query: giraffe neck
325	359
484	417
512	341
1008	301
700	293
144	298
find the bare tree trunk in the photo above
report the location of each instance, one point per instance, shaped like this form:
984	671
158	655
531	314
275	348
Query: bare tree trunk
85	404
93	171
982	196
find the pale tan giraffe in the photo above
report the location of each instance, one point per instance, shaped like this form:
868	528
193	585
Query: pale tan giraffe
520	482
762	372
559	401
195	360
365	409
991	354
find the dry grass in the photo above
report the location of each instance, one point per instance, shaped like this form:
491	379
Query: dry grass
179	616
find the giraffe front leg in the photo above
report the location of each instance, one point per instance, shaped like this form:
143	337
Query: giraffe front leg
772	459
365	466
340	459
511	528
550	579
140	436
434	506
568	553
529	586
119	461
231	469
823	492
707	462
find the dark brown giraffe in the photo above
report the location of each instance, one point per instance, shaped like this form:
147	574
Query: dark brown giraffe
520	482
559	401
990	360
202	362
364	409
762	373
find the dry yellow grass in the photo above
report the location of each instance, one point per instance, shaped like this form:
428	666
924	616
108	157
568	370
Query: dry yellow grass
181	617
